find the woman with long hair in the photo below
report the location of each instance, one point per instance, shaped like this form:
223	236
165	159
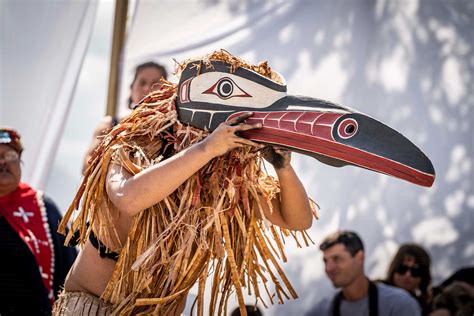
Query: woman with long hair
410	270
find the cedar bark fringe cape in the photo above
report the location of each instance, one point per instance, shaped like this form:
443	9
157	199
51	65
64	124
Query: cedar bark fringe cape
210	225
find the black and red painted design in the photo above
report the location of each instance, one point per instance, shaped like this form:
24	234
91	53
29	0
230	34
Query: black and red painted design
184	92
329	132
317	134
347	128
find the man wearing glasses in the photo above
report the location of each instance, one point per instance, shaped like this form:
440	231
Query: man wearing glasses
343	254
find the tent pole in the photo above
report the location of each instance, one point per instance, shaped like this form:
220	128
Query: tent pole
118	39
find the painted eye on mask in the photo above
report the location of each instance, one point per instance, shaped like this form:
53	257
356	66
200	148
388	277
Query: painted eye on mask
347	128
226	88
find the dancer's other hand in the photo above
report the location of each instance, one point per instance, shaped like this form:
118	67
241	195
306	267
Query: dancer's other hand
279	157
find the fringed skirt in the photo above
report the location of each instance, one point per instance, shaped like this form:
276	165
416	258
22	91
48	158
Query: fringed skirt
80	303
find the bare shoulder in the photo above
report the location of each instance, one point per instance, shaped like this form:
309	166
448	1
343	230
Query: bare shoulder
116	175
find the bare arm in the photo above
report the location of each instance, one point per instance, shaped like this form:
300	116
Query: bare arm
291	208
132	194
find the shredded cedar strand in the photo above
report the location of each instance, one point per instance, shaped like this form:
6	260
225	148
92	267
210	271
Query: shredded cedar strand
209	224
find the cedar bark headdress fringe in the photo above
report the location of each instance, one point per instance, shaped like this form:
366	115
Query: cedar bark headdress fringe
209	225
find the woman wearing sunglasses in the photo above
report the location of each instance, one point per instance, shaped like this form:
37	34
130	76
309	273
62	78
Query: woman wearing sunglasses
410	270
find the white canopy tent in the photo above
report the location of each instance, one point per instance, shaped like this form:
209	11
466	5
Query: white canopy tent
43	45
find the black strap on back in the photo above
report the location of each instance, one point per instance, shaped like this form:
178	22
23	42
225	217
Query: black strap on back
373	301
104	252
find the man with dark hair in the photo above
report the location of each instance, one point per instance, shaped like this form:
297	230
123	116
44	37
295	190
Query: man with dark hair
343	254
349	239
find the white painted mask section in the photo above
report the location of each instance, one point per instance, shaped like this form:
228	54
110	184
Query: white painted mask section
231	90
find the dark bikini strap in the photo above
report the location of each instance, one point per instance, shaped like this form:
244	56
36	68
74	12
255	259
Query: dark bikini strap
104	252
373	301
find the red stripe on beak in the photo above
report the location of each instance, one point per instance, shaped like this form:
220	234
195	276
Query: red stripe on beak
311	133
